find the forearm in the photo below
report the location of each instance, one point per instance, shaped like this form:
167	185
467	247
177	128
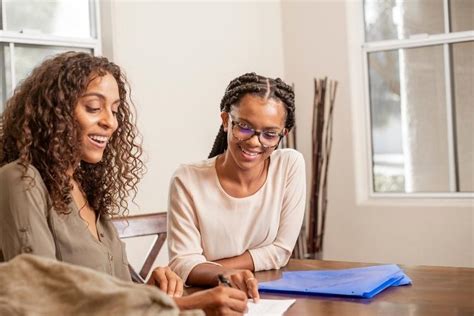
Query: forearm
269	257
243	261
186	302
206	274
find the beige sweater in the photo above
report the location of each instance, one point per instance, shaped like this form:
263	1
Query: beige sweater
206	224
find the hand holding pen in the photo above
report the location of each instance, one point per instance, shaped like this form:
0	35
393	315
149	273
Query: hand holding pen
244	281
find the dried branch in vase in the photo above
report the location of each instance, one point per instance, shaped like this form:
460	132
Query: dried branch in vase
323	107
299	251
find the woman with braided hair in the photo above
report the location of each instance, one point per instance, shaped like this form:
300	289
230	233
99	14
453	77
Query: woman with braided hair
240	210
69	159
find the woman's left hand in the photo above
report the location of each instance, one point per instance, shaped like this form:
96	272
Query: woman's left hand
245	281
168	281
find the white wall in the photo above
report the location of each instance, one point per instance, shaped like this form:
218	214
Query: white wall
179	58
436	232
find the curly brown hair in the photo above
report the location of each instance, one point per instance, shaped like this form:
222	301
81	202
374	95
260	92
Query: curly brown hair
38	128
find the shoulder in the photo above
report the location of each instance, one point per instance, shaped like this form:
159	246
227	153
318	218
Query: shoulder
14	172
195	171
199	169
12	175
288	156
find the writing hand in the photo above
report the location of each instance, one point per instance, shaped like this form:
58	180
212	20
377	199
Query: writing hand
216	301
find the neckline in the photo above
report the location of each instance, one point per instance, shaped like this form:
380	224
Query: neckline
261	189
85	223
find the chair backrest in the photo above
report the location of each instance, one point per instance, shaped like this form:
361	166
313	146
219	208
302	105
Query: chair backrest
143	225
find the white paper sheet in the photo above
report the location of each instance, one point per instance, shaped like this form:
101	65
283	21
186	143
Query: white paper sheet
268	307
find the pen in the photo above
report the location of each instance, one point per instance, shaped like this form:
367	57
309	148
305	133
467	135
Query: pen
223	280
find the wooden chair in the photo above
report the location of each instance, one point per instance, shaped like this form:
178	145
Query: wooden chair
143	225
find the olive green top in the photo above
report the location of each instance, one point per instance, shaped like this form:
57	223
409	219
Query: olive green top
29	224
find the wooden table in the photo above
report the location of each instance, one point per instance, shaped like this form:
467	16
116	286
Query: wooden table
435	291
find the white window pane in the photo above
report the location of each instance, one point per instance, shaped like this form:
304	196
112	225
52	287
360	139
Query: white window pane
27	57
398	19
408	108
69	18
386	122
462	15
2	76
5	75
463	69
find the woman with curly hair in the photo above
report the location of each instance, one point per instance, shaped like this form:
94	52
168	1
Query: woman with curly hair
69	160
241	209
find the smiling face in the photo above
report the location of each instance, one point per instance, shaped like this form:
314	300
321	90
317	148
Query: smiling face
95	112
260	114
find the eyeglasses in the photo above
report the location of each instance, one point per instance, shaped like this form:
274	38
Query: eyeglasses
244	132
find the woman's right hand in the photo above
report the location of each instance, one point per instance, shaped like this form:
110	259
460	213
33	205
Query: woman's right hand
219	300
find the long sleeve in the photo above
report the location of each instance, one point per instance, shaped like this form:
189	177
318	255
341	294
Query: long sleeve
23	208
184	237
278	253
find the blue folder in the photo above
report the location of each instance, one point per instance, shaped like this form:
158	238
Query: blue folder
358	282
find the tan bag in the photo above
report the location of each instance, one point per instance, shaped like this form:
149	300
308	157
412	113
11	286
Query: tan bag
33	285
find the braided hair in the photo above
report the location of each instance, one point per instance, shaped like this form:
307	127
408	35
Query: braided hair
251	83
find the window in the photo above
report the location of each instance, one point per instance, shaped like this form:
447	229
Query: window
419	58
32	30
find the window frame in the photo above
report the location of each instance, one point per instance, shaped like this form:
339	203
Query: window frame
359	51
10	39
